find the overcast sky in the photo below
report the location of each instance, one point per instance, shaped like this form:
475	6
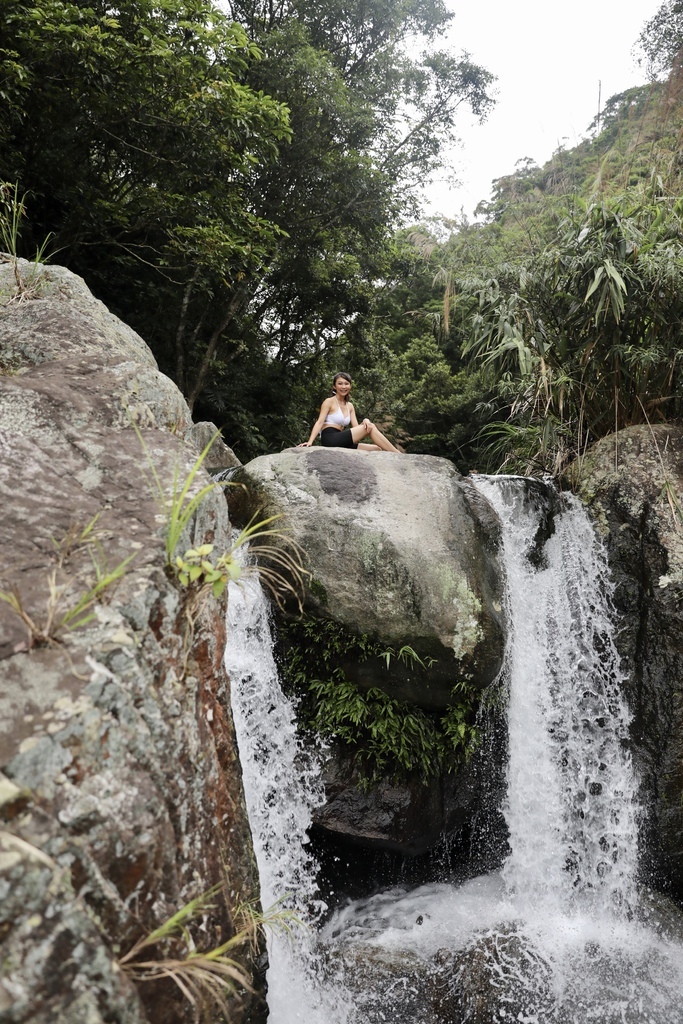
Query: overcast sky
549	59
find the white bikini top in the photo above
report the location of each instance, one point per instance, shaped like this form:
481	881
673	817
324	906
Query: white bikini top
337	419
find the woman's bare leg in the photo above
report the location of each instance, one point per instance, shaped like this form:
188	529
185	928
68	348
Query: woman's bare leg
369	448
379	441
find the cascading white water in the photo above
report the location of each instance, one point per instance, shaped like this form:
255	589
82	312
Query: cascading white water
571	798
282	787
560	927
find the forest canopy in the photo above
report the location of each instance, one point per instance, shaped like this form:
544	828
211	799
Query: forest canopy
229	183
237	183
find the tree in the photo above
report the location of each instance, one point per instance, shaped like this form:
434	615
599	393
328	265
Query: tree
369	124
137	137
662	38
230	189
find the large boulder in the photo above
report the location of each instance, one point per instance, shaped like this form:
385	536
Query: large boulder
120	789
399	547
632	483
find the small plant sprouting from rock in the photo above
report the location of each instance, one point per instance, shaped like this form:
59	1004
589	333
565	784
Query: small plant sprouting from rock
12	213
194	567
407	655
66	607
274	556
280	569
203	976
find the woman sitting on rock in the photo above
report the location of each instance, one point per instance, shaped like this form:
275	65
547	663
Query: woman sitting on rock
338	426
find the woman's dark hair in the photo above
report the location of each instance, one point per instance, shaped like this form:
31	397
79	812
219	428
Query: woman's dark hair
336	377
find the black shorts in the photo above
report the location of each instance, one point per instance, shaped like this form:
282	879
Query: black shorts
332	438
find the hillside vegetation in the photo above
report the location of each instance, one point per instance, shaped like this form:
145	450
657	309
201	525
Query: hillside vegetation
556	317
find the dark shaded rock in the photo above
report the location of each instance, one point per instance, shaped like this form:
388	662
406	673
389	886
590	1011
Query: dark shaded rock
499	976
406	816
121	797
632	483
398	547
409	815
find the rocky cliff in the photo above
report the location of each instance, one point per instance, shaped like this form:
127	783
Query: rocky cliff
632	482
120	789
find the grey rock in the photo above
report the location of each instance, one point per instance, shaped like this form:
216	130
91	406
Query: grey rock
402	548
398	547
57	317
120	794
219	456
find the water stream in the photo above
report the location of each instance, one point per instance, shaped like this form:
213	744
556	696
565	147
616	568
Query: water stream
563	934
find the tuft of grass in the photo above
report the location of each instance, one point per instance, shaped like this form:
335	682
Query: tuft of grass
204	975
177	505
276	557
12	214
63	610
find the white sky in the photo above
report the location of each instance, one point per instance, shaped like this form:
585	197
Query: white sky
549	59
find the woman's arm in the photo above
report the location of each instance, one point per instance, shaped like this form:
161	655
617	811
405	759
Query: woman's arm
317	425
352	411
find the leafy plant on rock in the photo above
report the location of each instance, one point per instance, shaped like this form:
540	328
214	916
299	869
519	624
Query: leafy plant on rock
389	737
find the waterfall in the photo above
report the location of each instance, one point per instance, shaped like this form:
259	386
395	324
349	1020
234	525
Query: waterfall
571	806
562	934
282	787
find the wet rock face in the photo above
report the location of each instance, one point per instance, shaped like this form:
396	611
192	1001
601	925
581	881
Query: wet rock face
633	485
120	789
399	547
408	815
497	977
383	985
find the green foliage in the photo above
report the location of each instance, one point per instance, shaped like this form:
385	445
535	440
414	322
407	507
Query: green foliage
229	187
137	137
582	335
662	38
275	557
195	567
177	504
12	211
562	309
390	737
204	975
